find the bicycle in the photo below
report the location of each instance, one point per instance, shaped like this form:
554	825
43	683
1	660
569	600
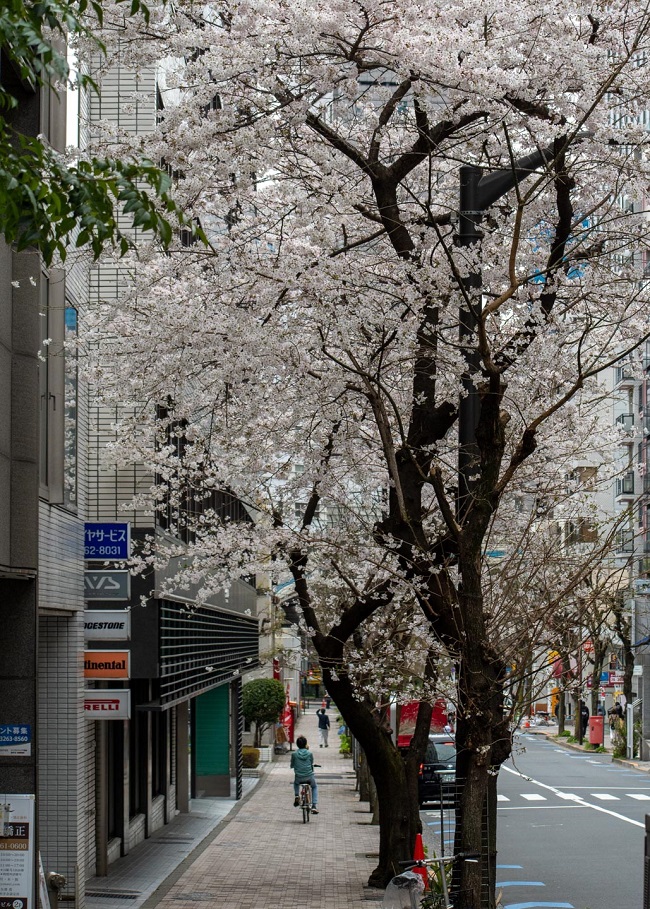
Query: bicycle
304	800
445	864
304	795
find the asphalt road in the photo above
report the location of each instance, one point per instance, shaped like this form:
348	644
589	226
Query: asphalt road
570	829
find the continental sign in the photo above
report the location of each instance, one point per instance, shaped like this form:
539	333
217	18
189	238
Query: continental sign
105	704
106	664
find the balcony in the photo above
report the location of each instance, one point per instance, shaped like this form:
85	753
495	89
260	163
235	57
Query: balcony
625	421
625	485
625	541
624	376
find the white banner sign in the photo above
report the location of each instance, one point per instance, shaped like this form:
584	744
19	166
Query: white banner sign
17	836
107	704
107	625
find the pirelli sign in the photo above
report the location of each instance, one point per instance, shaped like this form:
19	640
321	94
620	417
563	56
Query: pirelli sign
107	625
106	664
107	704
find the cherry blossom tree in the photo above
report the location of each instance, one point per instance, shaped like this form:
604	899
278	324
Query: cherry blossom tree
331	351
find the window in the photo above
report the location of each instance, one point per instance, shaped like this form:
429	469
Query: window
58	393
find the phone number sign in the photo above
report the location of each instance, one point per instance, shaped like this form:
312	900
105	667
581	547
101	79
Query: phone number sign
110	541
15	739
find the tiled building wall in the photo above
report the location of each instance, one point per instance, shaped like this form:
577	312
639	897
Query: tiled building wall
63	791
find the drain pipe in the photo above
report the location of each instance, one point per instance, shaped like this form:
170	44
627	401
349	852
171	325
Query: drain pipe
101	800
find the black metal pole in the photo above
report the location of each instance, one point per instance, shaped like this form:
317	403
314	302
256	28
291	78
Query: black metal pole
469	406
477	193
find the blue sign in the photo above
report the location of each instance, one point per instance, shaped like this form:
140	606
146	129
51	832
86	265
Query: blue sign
16	739
109	541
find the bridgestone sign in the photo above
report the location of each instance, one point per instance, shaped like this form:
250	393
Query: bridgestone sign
107	625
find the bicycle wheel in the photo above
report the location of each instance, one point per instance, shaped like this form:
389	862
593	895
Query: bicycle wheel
306	803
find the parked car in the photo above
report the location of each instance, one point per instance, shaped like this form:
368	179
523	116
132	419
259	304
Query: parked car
437	776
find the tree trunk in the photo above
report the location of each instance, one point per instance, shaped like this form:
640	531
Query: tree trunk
483	742
394	777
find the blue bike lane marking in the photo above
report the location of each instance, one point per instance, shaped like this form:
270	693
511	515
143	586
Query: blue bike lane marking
539	906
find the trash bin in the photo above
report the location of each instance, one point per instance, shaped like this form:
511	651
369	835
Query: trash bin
596	730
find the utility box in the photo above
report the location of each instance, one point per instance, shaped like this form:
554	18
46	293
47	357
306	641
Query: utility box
596	730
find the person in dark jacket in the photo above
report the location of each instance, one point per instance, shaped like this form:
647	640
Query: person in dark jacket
584	717
323	727
615	714
302	764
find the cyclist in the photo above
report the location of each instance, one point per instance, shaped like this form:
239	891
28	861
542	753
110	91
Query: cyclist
302	764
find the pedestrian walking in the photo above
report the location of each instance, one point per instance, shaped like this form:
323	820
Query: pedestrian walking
584	717
323	727
615	714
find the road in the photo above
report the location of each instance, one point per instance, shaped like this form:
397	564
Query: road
570	829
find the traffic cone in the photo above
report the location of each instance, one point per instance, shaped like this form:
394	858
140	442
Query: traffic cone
418	854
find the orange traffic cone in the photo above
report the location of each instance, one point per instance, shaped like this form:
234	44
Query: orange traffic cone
418	854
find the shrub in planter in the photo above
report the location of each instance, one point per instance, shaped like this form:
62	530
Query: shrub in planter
250	757
262	703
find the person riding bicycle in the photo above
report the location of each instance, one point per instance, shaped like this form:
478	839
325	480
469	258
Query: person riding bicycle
302	764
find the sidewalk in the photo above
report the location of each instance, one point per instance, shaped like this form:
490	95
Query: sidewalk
259	854
551	732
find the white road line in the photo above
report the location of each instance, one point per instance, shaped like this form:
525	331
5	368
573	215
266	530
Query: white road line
638	796
533	797
604	796
579	800
502	798
578	804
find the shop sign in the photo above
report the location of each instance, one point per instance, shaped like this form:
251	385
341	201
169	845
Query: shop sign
16	740
107	625
107	585
616	678
107	704
17	851
107	540
106	664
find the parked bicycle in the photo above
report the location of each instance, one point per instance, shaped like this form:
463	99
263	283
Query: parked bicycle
410	888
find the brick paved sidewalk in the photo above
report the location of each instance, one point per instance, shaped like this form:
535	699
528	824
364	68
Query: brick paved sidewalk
264	857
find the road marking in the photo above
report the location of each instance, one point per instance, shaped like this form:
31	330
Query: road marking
502	798
605	796
539	906
639	796
509	866
533	797
520	884
578	801
578	804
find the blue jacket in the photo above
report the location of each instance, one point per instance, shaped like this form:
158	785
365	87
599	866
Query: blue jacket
302	763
